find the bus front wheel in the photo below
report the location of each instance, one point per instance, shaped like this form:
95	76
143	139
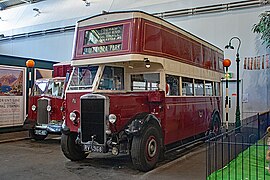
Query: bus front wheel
146	149
70	149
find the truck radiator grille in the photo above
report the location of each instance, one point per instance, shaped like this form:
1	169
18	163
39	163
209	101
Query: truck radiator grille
42	113
92	120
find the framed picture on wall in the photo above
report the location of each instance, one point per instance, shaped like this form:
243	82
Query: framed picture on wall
12	95
43	73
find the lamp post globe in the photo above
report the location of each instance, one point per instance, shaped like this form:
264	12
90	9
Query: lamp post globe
30	63
226	63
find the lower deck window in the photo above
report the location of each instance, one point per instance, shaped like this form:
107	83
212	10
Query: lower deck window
208	88
112	78
187	86
217	89
144	82
173	82
199	87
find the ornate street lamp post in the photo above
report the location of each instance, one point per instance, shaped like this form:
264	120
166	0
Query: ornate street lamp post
226	64
237	112
30	65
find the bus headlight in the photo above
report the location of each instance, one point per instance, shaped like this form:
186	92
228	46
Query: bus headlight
34	107
72	116
49	108
112	118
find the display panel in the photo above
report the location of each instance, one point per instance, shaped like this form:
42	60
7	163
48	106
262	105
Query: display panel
12	82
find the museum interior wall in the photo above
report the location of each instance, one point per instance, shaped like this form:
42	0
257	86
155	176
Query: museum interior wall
216	28
15	82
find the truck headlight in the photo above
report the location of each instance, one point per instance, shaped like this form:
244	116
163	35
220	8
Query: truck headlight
49	108
34	107
112	118
72	116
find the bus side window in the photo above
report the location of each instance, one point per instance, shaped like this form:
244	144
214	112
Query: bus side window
208	88
187	86
173	82
217	89
145	82
199	87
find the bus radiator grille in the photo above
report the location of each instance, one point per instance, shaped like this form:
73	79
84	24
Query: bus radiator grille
92	120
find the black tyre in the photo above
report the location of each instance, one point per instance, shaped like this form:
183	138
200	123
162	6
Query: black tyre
70	149
146	149
36	137
215	125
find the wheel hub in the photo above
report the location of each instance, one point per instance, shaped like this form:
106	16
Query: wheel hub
152	148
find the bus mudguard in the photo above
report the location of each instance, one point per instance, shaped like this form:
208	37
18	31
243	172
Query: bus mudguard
215	113
140	121
65	129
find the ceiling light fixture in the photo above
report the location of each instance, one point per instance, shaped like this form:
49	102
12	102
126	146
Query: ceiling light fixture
147	62
130	66
87	3
36	10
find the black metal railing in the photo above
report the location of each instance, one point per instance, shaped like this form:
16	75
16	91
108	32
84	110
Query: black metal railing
239	153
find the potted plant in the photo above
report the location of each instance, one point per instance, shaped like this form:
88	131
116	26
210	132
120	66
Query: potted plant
263	28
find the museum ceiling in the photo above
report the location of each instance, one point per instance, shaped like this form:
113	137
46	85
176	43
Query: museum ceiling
5	4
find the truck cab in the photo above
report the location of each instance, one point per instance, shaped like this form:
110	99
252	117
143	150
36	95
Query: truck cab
46	104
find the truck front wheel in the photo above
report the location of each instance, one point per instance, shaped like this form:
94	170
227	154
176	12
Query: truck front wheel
145	149
70	149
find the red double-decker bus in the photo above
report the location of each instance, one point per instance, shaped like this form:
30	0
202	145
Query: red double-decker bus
139	85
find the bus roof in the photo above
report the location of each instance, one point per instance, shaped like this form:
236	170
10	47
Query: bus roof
124	15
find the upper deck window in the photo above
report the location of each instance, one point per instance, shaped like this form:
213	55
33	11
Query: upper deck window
82	78
102	40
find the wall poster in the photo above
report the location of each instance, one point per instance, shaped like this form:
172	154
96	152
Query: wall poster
12	96
43	73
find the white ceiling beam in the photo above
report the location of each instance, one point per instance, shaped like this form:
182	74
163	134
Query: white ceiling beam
27	1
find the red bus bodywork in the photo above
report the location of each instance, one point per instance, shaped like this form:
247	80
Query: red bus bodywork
148	120
46	109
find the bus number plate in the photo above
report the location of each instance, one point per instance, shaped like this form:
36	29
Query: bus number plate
41	132
93	148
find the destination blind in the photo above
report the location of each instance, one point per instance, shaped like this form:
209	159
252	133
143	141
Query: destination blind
103	40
